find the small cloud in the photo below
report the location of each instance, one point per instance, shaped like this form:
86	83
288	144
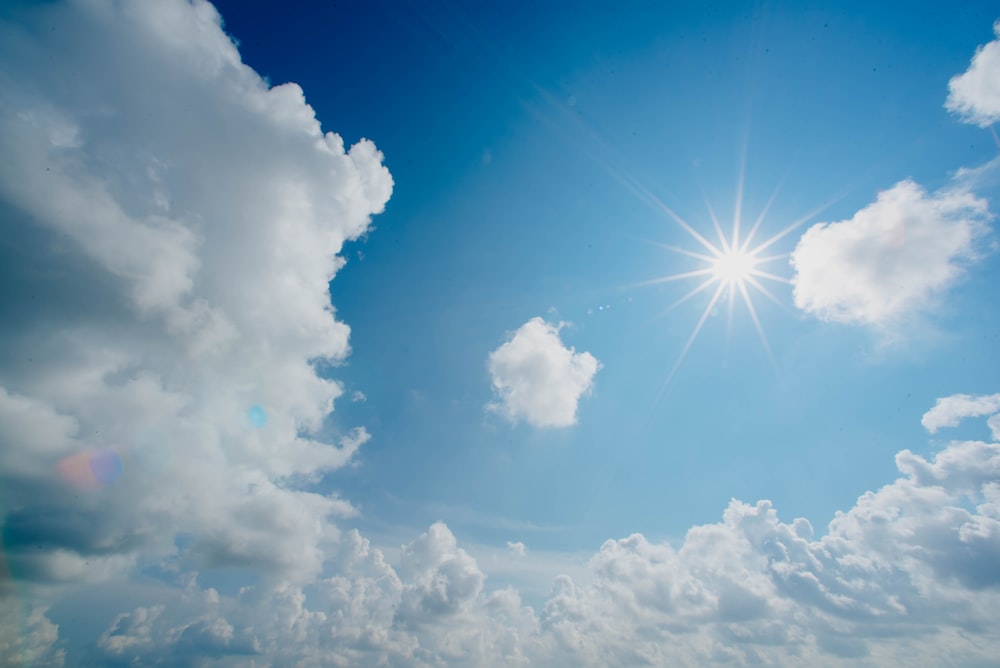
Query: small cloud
358	396
949	411
975	94
538	379
891	259
516	548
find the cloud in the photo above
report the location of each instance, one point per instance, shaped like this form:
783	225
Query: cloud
891	259
516	548
27	636
171	224
908	574
975	94
949	411
538	379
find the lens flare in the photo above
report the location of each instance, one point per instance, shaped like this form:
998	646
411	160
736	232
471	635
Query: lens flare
257	416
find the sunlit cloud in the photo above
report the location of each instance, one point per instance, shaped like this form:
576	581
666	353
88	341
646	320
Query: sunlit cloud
950	411
174	411
892	259
975	94
539	380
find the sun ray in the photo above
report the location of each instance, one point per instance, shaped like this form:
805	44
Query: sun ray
675	277
760	219
768	275
694	291
684	251
694	335
715	223
772	258
760	287
756	322
738	208
689	295
794	226
729	310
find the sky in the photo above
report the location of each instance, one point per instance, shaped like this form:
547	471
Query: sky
499	334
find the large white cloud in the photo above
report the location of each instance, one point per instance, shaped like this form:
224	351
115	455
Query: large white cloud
975	93
906	576
538	379
892	259
171	225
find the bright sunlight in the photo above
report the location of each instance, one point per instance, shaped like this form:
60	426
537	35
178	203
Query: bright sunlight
731	266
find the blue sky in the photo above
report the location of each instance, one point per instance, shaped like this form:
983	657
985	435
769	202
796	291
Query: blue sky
495	429
828	104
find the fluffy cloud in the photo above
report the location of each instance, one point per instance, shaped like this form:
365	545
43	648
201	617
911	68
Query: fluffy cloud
949	411
538	379
891	259
975	94
907	575
171	224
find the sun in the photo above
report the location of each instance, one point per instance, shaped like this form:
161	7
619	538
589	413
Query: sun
732	269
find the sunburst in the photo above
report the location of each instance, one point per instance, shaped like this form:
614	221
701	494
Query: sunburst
733	268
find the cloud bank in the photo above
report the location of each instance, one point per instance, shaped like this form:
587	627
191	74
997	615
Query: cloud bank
906	576
975	94
171	225
539	380
891	260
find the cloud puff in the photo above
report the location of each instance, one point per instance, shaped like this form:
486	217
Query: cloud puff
975	94
949	411
171	226
891	259
537	378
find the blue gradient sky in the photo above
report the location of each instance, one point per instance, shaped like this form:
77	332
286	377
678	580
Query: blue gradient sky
509	132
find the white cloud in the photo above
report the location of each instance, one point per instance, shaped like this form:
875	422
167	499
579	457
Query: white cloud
516	548
907	575
538	379
949	411
891	259
173	225
975	94
27	636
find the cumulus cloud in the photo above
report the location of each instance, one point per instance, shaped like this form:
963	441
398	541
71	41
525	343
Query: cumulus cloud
891	260
907	575
538	379
975	94
171	224
950	411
